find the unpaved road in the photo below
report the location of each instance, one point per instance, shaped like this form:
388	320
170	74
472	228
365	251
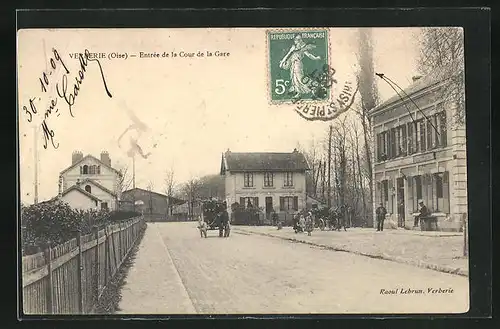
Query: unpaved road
255	274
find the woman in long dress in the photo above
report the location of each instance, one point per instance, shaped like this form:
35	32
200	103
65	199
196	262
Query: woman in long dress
293	61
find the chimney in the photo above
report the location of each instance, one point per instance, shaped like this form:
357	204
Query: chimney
416	77
105	158
76	156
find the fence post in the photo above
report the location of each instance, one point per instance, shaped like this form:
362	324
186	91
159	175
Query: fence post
50	290
106	257
80	276
96	235
466	228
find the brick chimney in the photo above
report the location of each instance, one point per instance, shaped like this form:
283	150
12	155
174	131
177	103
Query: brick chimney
105	158
76	156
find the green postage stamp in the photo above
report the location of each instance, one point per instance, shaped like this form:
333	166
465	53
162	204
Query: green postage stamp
299	73
295	57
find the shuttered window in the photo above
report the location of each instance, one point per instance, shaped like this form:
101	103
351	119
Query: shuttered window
411	138
289	203
248	179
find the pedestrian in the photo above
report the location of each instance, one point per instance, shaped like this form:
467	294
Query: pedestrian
309	223
380	212
423	212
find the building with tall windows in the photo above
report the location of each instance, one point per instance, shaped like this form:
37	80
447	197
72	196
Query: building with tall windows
420	156
271	181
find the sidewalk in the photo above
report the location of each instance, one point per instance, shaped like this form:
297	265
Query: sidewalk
440	251
153	285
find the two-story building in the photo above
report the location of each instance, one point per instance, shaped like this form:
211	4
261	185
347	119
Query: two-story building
265	180
420	155
90	183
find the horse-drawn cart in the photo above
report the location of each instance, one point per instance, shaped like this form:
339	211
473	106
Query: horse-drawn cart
214	217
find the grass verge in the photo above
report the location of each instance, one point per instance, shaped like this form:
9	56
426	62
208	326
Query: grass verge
111	296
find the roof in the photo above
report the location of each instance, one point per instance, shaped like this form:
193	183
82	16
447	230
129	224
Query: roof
87	157
176	200
264	161
435	78
105	189
79	189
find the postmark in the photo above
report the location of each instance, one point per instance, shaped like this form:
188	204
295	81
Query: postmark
300	74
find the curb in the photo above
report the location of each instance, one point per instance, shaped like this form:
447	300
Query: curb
397	259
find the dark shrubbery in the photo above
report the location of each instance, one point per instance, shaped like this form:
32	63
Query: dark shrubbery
54	222
245	216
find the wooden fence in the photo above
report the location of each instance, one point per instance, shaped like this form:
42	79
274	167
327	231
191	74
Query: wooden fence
70	278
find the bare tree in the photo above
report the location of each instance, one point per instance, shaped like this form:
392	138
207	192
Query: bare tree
442	56
369	96
191	190
169	190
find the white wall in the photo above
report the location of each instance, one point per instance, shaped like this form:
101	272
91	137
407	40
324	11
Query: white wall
78	200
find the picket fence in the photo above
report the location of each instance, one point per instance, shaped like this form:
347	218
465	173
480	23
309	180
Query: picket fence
71	277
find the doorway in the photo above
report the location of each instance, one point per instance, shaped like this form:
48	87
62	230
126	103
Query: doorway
269	205
401	202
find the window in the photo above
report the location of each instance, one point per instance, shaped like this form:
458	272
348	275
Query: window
288	181
430	133
92	170
268	179
402	140
385	191
411	138
249	202
439	185
88	188
98	170
418	185
104	206
289	203
85	170
442	129
248	179
421	127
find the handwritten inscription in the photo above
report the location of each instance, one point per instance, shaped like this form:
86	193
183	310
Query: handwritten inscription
66	88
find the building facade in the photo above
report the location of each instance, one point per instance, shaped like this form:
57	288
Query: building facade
90	183
420	155
156	205
270	181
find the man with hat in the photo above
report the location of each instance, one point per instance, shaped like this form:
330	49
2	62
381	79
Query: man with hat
380	212
422	213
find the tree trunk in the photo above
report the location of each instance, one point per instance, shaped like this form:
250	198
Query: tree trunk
368	158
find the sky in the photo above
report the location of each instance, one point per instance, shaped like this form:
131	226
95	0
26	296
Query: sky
194	108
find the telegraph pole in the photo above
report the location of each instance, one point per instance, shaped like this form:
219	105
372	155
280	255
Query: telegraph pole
329	191
35	130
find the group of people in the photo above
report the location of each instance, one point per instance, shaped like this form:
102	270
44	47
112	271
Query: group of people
381	213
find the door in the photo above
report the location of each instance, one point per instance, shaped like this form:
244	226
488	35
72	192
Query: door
401	202
269	205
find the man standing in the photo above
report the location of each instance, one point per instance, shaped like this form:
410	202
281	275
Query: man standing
380	212
424	212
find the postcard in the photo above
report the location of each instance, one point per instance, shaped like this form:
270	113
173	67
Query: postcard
182	171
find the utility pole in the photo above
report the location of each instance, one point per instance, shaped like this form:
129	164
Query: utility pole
35	135
133	180
329	191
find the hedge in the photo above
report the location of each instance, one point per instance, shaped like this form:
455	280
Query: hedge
54	222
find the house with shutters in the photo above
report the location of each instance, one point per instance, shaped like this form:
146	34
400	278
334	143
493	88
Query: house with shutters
270	181
90	182
420	156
